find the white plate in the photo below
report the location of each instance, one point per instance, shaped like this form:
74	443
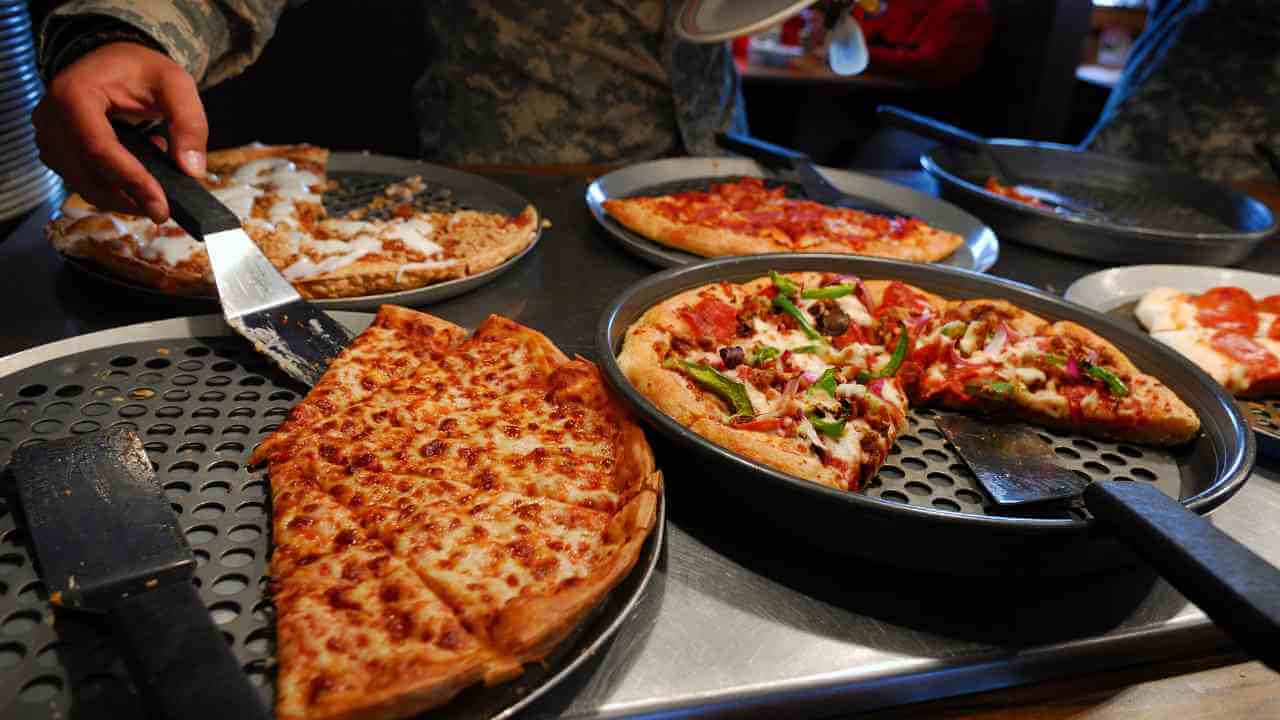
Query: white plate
1109	289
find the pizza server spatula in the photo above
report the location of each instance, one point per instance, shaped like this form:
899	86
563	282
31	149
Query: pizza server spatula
106	541
256	300
1235	587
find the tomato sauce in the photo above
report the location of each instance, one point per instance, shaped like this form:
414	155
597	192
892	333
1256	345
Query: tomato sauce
1242	349
1227	308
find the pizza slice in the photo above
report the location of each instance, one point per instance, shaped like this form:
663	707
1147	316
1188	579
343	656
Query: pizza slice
1228	333
358	633
993	357
744	217
786	370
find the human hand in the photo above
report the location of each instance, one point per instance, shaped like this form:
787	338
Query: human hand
128	81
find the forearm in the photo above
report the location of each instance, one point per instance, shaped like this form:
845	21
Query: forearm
211	41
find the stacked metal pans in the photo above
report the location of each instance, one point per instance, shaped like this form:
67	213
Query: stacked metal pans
24	181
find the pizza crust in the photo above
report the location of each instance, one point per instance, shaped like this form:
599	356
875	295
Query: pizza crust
927	244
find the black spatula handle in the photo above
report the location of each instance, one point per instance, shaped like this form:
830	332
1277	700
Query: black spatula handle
180	660
933	129
766	153
194	208
1237	589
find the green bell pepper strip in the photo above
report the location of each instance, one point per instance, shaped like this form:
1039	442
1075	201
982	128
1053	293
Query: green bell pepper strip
830	428
805	349
784	285
895	360
999	389
827	382
781	302
830	292
1114	385
953	329
733	392
1053	359
764	355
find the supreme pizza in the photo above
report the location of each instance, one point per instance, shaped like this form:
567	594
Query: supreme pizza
745	217
1226	331
812	373
446	508
276	192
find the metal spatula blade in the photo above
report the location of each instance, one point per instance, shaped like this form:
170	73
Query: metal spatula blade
1011	463
256	300
99	523
106	540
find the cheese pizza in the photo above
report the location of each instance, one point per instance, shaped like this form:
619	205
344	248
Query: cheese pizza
812	373
276	192
446	508
1226	331
745	217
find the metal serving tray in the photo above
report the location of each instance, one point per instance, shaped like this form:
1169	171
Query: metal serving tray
361	176
200	398
979	252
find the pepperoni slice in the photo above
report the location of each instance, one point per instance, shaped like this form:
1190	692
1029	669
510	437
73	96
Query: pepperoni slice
1270	304
899	295
1227	308
851	336
711	318
1258	360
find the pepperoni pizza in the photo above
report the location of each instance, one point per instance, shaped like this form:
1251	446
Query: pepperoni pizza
1226	331
446	508
812	373
745	217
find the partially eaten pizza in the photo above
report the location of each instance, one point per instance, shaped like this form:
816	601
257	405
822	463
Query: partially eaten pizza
276	192
813	373
1230	334
745	217
446	508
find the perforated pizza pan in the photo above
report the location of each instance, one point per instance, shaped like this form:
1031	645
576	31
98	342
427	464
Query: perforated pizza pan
200	399
979	252
361	177
925	509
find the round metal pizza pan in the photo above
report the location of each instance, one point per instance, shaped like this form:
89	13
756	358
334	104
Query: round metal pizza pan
200	398
707	21
469	191
979	252
924	510
1117	292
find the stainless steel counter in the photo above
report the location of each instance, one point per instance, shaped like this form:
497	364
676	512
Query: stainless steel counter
742	618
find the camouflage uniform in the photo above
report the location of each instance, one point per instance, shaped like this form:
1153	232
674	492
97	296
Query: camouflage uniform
1202	86
550	81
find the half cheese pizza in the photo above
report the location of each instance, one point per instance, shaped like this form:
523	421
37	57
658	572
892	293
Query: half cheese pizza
744	217
812	373
1226	331
446	508
276	192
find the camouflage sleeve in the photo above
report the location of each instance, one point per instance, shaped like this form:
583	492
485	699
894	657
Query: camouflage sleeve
211	40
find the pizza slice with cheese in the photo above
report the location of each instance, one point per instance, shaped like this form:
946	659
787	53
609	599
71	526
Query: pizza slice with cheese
991	356
1226	331
788	371
497	472
358	633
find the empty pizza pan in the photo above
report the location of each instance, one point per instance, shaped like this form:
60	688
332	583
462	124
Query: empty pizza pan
363	176
979	251
1153	214
200	398
925	510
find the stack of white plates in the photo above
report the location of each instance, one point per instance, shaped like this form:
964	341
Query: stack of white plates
24	181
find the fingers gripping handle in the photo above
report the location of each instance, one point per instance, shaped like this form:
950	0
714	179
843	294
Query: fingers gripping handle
194	208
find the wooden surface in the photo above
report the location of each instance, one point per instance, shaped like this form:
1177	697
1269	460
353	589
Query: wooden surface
1214	687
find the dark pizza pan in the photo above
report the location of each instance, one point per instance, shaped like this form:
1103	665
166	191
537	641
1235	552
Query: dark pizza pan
979	251
200	399
360	177
924	509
